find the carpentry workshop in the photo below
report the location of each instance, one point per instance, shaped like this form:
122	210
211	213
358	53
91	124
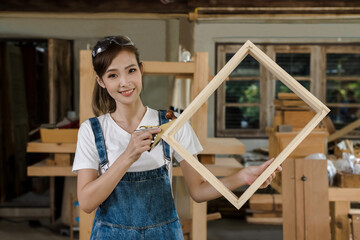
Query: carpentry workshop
180	119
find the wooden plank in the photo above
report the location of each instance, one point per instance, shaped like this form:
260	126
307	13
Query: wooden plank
62	159
223	146
345	130
40	147
86	222
199	220
344	194
286	103
355	226
267	215
168	68
269	202
316	199
42	170
265	220
328	125
288	96
288	195
201	79
87	81
347	180
297	119
313	143
340	228
207	158
289	201
300	199
222	167
213	216
31	213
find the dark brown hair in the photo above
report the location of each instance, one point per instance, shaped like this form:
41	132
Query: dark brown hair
102	102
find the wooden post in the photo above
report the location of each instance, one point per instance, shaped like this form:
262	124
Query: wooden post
356	226
340	229
199	220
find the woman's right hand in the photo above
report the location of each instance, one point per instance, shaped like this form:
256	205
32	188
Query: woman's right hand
140	142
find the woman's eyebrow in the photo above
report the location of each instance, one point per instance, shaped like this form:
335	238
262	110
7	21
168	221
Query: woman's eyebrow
131	65
110	70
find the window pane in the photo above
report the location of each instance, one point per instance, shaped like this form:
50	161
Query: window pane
242	92
343	64
343	91
342	116
281	88
248	66
296	64
242	117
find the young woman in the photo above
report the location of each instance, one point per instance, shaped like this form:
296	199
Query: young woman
117	175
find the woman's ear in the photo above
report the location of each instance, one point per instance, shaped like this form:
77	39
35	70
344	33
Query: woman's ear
100	81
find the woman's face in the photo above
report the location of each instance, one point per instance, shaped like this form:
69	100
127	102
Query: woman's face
123	78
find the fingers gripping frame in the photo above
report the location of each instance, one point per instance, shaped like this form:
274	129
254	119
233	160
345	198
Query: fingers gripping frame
248	48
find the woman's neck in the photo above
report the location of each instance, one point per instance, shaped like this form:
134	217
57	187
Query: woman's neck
129	116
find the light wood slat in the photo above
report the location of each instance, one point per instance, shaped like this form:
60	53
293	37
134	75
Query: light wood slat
87	81
222	167
43	170
171	68
344	194
342	132
223	146
40	147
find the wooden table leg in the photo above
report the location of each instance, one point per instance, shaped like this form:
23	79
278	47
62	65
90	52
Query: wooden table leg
199	220
340	229
52	199
356	226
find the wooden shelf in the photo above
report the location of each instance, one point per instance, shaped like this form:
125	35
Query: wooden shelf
222	167
43	170
344	194
223	146
40	147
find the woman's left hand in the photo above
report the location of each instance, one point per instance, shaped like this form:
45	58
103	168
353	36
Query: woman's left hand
250	174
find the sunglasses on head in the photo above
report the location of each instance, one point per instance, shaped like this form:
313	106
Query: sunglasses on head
102	45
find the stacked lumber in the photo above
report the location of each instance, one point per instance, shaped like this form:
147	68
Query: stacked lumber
265	209
292	111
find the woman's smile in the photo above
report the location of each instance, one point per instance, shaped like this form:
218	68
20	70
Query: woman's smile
127	93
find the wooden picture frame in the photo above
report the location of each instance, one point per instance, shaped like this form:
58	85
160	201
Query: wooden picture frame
248	48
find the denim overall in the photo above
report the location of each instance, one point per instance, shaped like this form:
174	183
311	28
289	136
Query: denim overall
141	206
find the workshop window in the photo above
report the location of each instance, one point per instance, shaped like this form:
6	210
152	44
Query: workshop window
298	66
240	102
343	87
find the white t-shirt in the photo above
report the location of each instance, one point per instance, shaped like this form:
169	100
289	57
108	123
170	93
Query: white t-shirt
117	140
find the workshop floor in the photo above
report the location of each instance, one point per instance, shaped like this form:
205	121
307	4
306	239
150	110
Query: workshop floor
223	229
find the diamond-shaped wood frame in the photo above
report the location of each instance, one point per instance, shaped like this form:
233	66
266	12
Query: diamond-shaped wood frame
248	48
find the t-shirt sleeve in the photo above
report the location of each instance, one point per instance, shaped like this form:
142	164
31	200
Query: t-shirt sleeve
86	155
188	139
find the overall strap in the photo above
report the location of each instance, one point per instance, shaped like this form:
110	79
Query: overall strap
166	147
100	143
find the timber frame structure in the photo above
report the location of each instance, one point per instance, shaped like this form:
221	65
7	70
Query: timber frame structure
248	48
